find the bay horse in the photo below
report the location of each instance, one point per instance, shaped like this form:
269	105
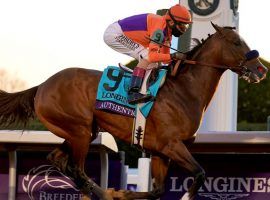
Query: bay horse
65	104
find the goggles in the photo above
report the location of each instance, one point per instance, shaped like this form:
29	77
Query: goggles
181	26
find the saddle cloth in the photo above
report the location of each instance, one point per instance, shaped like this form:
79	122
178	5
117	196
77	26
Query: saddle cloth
112	94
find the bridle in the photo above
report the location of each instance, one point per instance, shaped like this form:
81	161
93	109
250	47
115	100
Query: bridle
240	69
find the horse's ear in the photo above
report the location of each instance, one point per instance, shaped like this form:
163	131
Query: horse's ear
216	27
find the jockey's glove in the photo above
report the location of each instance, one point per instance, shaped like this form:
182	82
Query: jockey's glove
178	56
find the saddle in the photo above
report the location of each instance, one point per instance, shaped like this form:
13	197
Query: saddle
112	96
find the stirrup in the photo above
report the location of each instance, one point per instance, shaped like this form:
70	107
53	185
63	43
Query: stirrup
136	98
125	68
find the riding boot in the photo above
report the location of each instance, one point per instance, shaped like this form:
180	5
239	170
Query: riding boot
134	96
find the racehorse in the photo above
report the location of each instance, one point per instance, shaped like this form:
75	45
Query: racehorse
65	104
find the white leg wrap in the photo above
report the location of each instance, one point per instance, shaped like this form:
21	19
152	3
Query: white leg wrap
185	197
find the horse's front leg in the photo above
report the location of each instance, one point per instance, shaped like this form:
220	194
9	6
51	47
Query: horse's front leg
159	168
178	152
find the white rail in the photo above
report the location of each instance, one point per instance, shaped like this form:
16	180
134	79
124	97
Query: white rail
234	137
12	140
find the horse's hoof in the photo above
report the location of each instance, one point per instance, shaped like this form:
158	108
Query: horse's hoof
112	193
85	197
107	196
186	196
119	195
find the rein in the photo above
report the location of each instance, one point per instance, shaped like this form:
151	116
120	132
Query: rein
193	62
241	69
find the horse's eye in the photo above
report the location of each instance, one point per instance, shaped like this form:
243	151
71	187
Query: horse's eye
237	43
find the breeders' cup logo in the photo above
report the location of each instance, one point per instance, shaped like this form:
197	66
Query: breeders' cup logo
46	182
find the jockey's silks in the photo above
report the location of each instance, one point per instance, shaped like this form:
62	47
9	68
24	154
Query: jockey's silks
140	28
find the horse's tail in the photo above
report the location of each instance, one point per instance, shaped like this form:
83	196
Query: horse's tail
17	108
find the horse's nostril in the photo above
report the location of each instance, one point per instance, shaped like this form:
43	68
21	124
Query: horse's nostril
261	69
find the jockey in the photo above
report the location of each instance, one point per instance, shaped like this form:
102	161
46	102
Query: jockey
140	37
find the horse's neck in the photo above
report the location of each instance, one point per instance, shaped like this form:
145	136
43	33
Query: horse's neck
206	79
199	82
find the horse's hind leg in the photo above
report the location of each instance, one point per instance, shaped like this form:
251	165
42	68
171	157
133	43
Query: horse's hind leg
159	170
79	145
70	157
59	157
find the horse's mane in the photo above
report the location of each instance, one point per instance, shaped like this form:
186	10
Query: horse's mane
199	43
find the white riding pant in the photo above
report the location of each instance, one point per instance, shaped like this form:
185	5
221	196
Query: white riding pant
116	39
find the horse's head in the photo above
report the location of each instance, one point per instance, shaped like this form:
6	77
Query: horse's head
237	56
